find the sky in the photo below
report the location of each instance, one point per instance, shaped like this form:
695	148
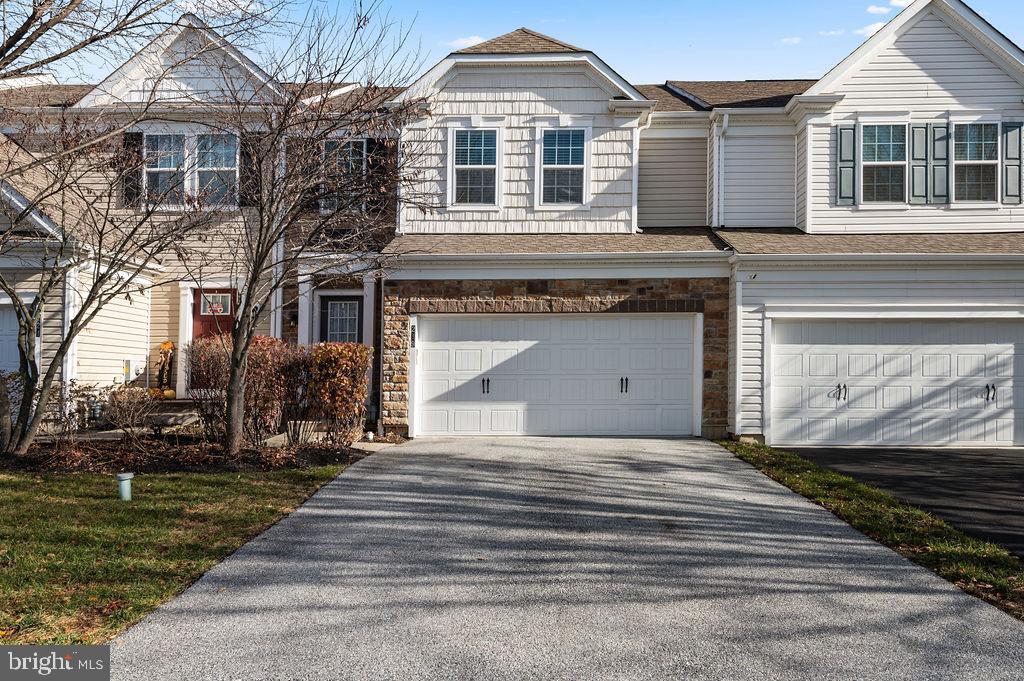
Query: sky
653	41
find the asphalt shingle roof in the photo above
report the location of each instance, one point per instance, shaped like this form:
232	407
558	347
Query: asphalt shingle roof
742	93
796	242
521	41
662	240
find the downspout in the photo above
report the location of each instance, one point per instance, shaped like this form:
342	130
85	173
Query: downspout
70	364
636	173
720	174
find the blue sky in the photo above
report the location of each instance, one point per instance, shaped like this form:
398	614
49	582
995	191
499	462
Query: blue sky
650	42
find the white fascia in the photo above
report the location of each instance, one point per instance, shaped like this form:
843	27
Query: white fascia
881	259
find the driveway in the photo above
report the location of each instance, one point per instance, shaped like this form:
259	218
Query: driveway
980	491
566	559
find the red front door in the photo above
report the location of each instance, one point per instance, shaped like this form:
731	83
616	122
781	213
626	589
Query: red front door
212	311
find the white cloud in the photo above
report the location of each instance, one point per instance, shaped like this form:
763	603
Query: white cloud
870	29
900	3
795	40
833	33
462	43
878	9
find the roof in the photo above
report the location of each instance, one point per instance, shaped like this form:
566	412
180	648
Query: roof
45	95
711	94
521	41
796	242
662	240
667	99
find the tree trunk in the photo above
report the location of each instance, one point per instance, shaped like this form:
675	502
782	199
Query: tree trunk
234	409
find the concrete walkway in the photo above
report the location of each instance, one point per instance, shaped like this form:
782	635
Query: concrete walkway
567	559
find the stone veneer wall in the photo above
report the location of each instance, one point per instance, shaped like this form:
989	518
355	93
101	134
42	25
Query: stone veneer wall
404	298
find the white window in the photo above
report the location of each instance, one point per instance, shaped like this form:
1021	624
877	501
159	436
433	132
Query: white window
165	169
215	304
563	166
340	319
976	162
884	163
200	166
342	160
218	169
475	162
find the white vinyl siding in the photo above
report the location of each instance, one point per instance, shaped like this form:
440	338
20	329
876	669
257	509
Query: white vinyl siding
673	182
522	97
758	179
933	73
845	286
119	332
800	179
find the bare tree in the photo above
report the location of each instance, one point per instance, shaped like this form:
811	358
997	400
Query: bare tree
68	233
320	168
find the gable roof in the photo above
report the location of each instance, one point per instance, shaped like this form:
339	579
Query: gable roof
666	98
521	41
125	76
997	45
46	95
712	94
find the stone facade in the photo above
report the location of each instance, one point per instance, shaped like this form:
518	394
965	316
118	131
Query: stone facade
401	299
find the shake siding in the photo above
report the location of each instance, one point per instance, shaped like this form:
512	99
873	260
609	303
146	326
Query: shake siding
854	287
522	96
119	332
930	71
672	190
758	182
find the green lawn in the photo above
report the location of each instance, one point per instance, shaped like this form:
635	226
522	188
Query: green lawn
978	567
78	566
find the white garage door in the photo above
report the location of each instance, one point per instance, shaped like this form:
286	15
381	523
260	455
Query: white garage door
898	382
550	374
8	339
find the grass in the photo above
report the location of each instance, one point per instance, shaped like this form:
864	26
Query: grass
78	566
981	568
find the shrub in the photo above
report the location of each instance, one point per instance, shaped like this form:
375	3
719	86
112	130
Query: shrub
208	364
129	408
338	387
298	406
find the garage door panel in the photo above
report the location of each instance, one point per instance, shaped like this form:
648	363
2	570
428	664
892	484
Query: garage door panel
907	382
554	374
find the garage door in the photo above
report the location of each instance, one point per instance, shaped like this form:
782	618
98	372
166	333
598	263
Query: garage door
8	339
898	382
549	374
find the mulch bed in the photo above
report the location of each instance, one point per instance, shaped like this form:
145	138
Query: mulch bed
172	453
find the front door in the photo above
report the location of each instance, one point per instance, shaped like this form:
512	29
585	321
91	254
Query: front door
212	311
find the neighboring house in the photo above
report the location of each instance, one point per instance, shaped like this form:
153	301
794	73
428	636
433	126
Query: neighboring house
809	262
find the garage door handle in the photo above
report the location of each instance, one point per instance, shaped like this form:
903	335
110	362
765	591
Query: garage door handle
846	391
622	384
483	386
488	386
627	384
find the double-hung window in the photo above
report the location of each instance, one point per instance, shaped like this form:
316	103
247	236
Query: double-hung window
976	162
562	166
217	169
476	167
164	158
340	319
884	157
203	167
345	163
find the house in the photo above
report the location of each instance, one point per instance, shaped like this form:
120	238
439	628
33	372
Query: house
833	261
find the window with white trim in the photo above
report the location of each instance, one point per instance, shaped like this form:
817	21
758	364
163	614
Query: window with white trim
476	166
563	166
164	160
884	163
215	304
976	162
202	166
217	167
343	160
340	319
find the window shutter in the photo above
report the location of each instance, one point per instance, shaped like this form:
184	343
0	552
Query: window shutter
846	165
919	171
303	164
938	164
1012	163
131	173
249	178
381	161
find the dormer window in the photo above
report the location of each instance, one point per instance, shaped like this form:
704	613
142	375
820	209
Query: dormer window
476	167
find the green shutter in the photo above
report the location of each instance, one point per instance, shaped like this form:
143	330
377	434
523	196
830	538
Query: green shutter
846	165
938	164
1011	163
918	164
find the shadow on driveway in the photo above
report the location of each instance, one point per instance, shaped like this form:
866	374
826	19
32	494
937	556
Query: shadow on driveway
979	491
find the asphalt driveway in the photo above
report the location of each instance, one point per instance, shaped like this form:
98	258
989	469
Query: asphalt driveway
980	491
566	559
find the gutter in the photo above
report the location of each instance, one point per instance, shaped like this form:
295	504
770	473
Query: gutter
872	258
499	259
